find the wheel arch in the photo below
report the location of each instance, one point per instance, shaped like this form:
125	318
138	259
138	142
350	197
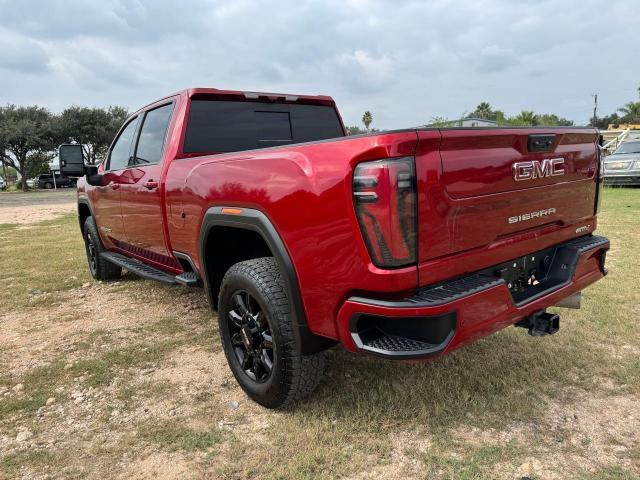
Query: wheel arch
84	212
215	223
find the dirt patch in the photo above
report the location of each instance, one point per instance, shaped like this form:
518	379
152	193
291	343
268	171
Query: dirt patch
26	215
35	337
33	207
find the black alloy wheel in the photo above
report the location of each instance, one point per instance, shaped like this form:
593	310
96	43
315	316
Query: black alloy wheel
251	336
257	330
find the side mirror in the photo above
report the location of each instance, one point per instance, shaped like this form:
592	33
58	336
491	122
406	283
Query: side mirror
71	160
93	177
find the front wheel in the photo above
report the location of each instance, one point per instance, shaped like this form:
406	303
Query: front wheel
256	329
100	268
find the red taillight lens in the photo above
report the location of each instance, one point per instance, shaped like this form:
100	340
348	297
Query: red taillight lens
384	195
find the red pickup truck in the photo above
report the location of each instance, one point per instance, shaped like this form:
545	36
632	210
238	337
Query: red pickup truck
403	244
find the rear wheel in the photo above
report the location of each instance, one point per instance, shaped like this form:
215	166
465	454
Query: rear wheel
256	329
100	268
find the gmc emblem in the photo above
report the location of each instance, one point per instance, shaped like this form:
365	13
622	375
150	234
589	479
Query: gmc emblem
549	167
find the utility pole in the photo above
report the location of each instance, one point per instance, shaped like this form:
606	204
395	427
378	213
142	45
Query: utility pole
595	109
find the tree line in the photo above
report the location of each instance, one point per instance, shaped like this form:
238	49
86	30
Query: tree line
30	135
627	114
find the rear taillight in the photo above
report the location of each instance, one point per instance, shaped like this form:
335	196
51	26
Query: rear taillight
600	173
384	195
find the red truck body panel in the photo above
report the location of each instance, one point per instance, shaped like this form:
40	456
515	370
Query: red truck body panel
465	193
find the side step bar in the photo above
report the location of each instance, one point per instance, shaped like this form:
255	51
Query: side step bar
189	279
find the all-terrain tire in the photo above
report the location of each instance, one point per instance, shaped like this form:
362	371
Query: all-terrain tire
293	376
100	268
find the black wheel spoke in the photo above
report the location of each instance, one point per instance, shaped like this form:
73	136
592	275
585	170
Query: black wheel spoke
247	361
267	340
235	318
239	301
266	361
247	302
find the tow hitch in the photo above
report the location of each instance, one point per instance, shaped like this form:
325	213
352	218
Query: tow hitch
540	324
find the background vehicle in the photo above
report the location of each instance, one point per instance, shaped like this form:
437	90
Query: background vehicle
622	167
3	183
404	244
46	181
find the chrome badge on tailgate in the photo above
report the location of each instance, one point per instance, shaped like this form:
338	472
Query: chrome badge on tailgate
549	167
545	212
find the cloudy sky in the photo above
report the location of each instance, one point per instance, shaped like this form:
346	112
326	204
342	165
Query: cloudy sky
406	61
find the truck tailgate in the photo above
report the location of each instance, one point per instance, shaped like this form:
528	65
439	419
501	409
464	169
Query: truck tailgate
487	187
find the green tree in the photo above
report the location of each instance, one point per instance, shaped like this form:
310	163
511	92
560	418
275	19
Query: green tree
603	122
551	119
93	128
525	118
441	122
483	110
355	130
25	132
630	113
367	119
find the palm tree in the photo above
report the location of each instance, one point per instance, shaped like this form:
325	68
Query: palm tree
630	112
483	110
526	117
367	119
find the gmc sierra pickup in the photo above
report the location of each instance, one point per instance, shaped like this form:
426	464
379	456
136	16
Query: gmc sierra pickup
403	244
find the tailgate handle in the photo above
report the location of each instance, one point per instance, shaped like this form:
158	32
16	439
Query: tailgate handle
541	143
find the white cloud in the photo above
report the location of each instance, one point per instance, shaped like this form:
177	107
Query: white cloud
406	61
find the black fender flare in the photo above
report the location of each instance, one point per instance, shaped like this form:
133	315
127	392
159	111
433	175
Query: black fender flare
255	220
84	201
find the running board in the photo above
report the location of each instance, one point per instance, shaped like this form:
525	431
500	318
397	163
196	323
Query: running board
139	268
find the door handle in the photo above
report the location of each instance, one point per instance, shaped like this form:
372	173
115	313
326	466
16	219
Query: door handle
114	186
150	184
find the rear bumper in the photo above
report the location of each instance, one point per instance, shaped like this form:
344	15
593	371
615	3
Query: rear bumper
448	315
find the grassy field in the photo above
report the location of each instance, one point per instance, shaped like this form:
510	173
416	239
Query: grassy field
128	380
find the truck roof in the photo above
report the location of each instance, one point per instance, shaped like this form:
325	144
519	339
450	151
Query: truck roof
248	96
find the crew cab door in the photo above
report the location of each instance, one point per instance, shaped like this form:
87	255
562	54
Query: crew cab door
106	200
141	200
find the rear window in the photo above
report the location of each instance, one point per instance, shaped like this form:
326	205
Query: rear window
230	126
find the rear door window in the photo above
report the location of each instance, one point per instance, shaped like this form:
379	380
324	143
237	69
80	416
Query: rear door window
227	126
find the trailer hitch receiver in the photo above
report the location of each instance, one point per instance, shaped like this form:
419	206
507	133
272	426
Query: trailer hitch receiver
540	324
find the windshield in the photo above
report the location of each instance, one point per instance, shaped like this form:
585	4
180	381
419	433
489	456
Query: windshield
629	147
